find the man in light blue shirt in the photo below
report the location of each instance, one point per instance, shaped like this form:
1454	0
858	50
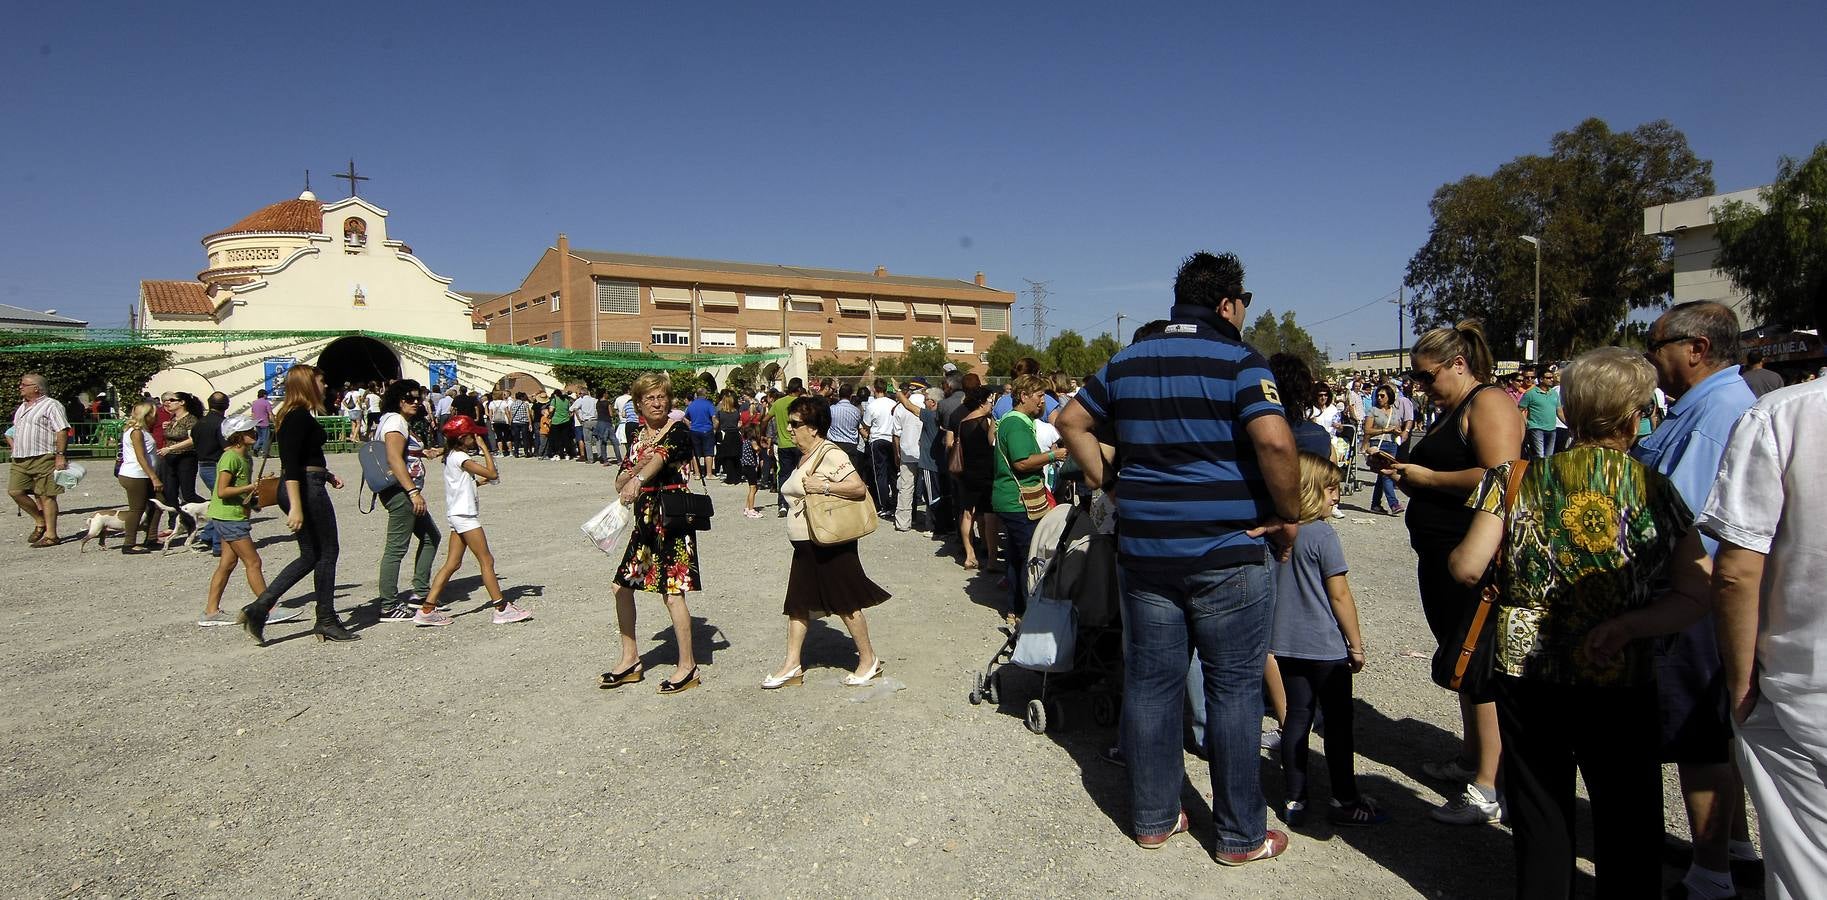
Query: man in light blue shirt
1694	347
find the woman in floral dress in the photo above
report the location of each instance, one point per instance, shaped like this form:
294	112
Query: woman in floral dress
1598	554
658	560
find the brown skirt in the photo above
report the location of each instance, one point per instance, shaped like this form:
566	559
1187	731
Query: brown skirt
826	581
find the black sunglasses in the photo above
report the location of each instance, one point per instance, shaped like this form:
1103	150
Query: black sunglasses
1657	345
793	423
1424	377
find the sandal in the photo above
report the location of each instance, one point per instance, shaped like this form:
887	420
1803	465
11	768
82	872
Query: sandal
36	535
971	565
629	675
684	684
44	542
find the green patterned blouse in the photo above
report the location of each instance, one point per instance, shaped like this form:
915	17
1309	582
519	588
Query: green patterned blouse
1592	536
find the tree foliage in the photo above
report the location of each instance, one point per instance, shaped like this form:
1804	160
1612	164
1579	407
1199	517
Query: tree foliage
1778	255
1102	348
68	373
1585	200
1270	336
1004	352
926	356
832	366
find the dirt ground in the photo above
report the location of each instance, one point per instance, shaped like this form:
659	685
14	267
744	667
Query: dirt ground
147	757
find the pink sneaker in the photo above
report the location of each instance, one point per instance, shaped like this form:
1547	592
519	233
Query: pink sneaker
751	513
426	619
511	615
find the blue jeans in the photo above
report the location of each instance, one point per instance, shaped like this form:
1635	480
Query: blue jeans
1018	534
206	472
604	432
1225	614
263	435
1538	443
788	457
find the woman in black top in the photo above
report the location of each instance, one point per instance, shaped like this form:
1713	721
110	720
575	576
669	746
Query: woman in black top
179	455
1478	429
304	478
729	438
977	435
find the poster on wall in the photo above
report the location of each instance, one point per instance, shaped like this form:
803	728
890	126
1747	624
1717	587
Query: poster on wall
275	376
443	374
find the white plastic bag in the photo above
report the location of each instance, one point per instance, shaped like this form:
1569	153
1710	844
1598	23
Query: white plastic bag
608	529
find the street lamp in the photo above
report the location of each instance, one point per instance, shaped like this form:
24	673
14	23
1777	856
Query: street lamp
1536	333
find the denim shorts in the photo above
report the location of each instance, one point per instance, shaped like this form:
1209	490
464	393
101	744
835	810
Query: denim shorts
233	530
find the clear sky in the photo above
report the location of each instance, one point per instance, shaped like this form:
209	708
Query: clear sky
1090	146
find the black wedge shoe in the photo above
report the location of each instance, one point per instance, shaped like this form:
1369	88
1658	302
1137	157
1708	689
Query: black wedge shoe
333	630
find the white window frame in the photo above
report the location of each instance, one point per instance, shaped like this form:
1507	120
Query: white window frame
618	306
811	340
890	343
983	318
805	303
960	346
761	340
674	337
555	301
768	302
853	343
716	337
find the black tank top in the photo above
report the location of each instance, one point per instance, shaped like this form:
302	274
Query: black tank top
1438	520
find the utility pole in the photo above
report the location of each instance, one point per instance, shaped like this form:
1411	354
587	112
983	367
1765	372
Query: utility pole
1401	331
1038	291
1119	334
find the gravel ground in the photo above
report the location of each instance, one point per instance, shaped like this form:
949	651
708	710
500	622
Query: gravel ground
145	756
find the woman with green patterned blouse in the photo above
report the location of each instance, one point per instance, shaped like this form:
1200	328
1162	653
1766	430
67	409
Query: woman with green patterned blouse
1588	551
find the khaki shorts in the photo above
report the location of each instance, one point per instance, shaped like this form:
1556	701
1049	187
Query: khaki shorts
33	475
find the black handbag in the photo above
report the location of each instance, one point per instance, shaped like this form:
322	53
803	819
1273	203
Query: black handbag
1466	666
685	511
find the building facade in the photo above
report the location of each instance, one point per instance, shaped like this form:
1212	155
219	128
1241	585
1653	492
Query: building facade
1688	225
591	299
306	265
16	318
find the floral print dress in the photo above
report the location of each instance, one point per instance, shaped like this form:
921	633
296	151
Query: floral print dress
1592	536
659	561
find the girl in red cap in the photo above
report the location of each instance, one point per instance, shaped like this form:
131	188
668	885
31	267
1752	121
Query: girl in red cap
462	468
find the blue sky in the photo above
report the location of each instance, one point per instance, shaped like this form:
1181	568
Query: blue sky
1087	145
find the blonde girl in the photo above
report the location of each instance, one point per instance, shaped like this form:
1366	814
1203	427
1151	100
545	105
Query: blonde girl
139	477
1317	648
462	469
229	499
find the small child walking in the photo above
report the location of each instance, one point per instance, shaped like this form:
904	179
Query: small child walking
461	471
229	499
1317	646
753	456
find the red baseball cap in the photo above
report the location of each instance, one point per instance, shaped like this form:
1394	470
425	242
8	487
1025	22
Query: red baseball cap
460	425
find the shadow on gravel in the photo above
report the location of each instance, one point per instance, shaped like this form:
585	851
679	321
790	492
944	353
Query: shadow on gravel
706	639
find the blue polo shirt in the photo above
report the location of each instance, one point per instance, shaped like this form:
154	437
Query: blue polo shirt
1687	446
1188	483
702	414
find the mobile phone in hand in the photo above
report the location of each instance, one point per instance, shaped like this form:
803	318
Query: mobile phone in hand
1381	459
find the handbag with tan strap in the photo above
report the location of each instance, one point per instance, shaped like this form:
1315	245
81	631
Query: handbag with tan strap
1466	666
834	520
266	487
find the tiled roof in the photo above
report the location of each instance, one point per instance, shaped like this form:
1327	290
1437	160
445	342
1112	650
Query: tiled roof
176	298
476	299
293	216
741	268
16	315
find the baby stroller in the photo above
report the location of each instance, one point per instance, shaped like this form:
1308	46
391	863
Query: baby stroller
1345	449
1070	564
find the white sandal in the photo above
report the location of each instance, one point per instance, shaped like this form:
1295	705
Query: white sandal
776	682
854	680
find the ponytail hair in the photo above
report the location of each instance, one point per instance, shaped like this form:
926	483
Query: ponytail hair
1464	340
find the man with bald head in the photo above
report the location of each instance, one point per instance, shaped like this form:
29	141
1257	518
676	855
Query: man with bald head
1694	348
36	442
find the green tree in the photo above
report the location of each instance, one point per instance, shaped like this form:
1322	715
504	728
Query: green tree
1003	354
1100	350
121	367
1585	200
834	367
925	357
1270	336
1778	254
1066	353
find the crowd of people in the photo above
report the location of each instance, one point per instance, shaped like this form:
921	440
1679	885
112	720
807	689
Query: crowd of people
1611	554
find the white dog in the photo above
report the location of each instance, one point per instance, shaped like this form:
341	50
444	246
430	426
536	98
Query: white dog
115	519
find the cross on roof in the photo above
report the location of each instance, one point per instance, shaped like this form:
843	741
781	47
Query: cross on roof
351	176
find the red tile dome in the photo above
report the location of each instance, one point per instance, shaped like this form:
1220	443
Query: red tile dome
302	216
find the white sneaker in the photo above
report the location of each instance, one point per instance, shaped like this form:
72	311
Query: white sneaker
511	615
1271	740
426	619
1469	808
1338	513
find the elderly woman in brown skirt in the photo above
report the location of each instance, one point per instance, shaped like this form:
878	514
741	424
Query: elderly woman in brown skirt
823	580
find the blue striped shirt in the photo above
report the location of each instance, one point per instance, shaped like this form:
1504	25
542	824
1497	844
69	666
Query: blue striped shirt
1187	478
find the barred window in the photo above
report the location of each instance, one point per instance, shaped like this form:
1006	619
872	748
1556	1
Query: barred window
618	297
995	318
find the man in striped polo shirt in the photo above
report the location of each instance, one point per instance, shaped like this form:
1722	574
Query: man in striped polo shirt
1207	488
36	441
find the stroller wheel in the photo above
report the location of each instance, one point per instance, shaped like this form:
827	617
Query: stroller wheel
992	688
977	689
1104	710
1037	717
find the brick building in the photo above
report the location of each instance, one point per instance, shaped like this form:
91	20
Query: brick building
585	299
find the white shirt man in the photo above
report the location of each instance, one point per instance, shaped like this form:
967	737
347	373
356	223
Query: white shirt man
37	443
443	408
904	429
1766	511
